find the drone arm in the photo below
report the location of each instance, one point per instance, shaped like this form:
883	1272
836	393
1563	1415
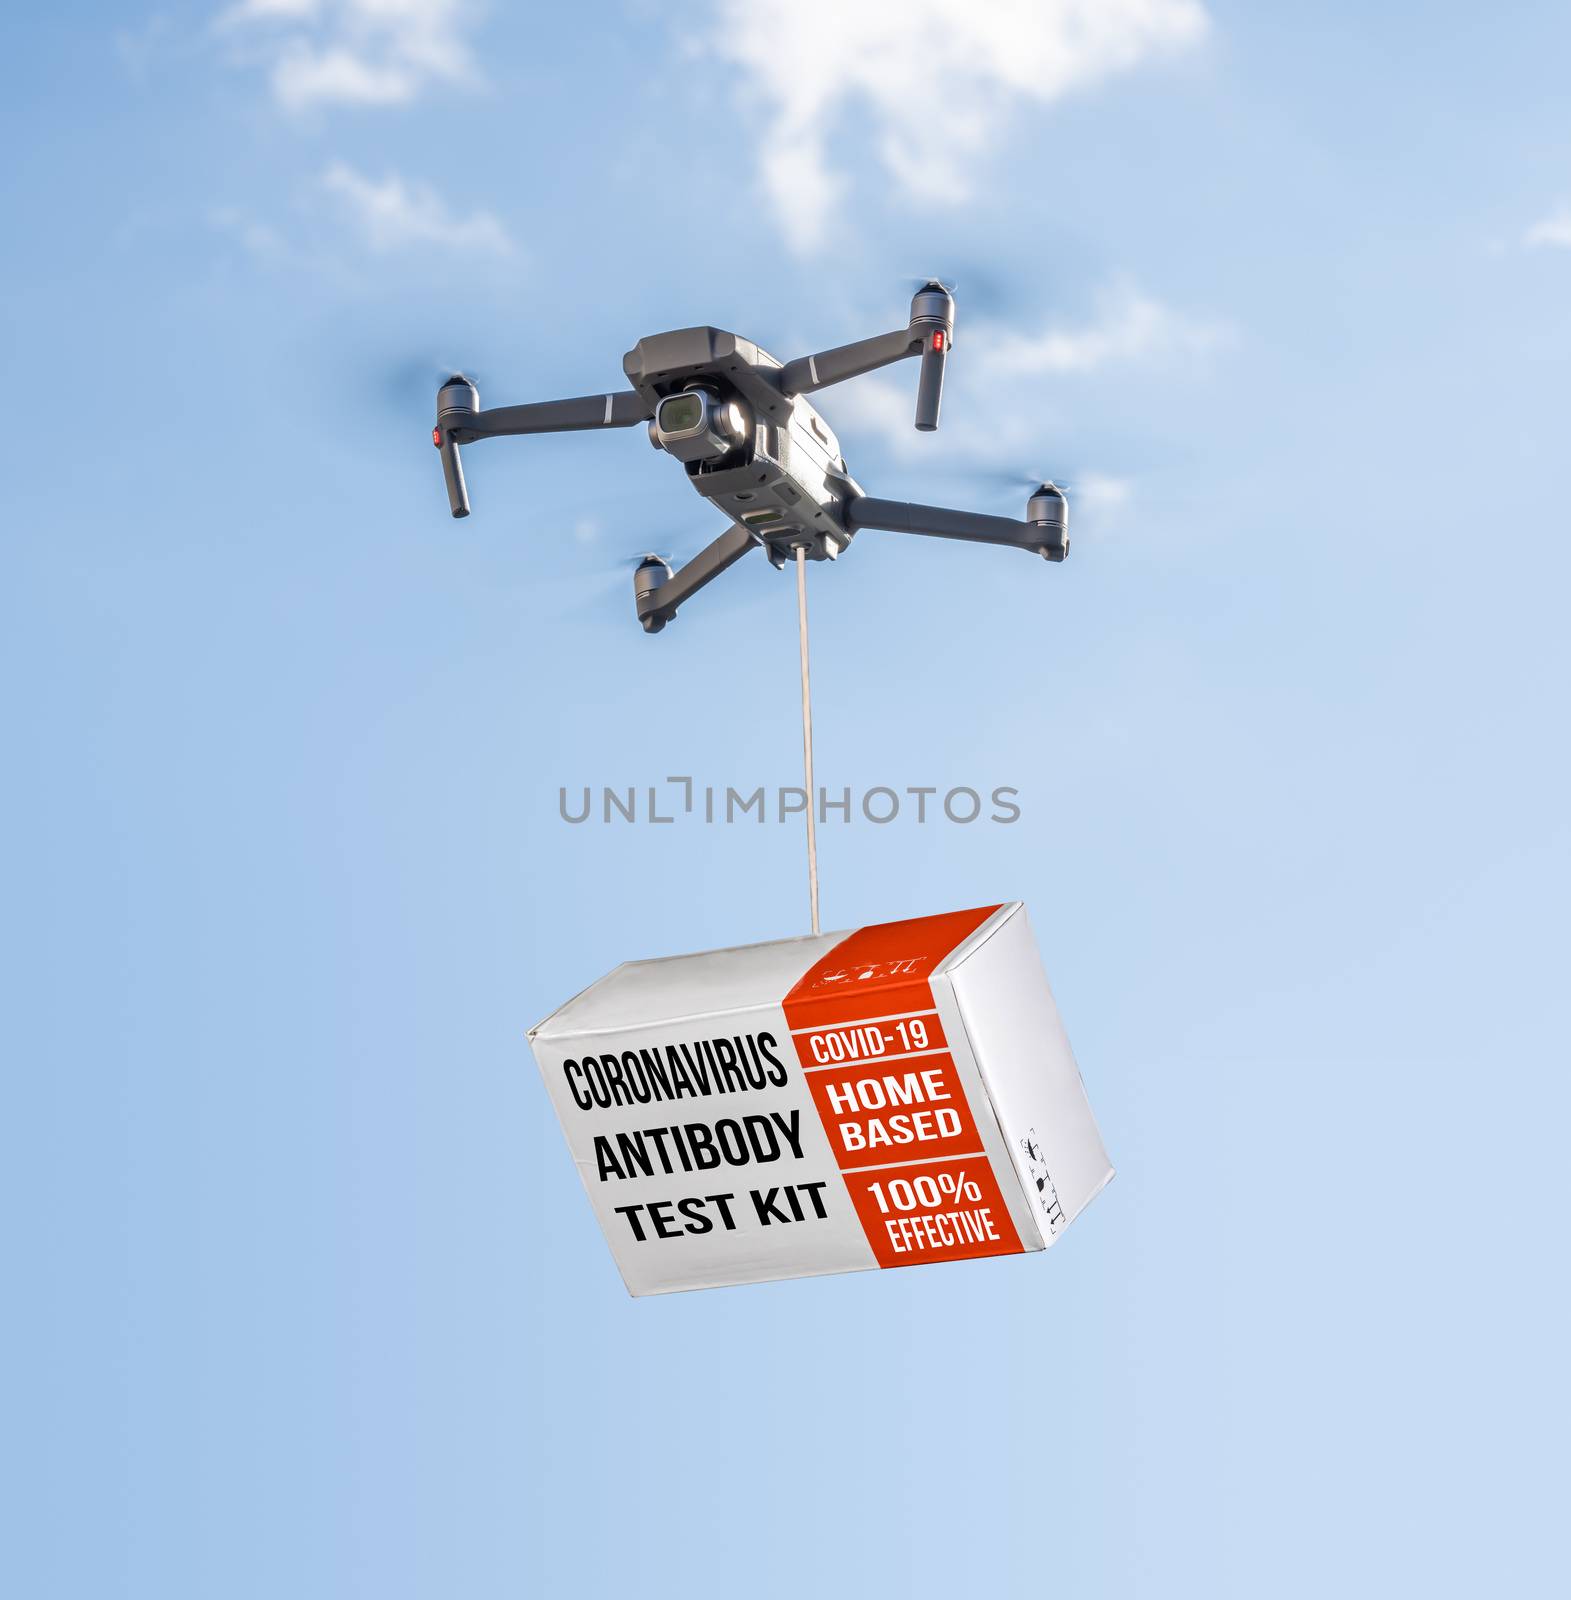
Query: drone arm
657	601
808	373
938	522
620	410
930	333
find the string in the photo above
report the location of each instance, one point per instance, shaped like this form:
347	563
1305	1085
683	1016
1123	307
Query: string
807	736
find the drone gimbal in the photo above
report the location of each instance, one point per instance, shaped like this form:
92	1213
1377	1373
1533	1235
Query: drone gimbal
750	442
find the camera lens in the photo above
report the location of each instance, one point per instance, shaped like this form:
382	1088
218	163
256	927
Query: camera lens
681	413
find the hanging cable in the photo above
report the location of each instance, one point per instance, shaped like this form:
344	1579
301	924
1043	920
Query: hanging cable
807	736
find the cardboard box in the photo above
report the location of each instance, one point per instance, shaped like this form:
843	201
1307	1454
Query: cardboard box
901	1094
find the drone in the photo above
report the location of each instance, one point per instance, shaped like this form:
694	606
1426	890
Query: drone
750	442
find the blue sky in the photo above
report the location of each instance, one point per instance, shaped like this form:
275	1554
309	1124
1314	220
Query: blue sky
304	1296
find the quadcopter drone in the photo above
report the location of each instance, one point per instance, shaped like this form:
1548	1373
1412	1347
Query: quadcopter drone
750	442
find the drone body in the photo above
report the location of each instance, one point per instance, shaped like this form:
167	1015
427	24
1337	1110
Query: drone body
753	445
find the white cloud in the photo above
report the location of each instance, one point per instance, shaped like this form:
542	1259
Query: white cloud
935	76
392	213
995	367
255	237
998	411
881	406
1101	490
353	52
1129	326
1555	229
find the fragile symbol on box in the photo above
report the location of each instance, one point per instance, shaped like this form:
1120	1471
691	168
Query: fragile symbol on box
900	1094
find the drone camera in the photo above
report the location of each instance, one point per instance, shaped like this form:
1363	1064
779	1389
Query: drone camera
1048	510
933	319
697	425
457	401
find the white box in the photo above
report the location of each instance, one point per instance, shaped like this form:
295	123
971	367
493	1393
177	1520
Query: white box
900	1094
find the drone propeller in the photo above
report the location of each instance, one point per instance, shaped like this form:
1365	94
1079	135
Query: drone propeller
613	572
673	555
980	291
1014	482
616	569
586	588
1029	480
405	386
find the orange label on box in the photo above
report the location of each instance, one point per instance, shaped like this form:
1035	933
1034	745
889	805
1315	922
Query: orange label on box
868	1041
880	971
875	1058
910	1109
937	1211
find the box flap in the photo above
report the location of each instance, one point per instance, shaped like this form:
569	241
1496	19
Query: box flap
644	994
